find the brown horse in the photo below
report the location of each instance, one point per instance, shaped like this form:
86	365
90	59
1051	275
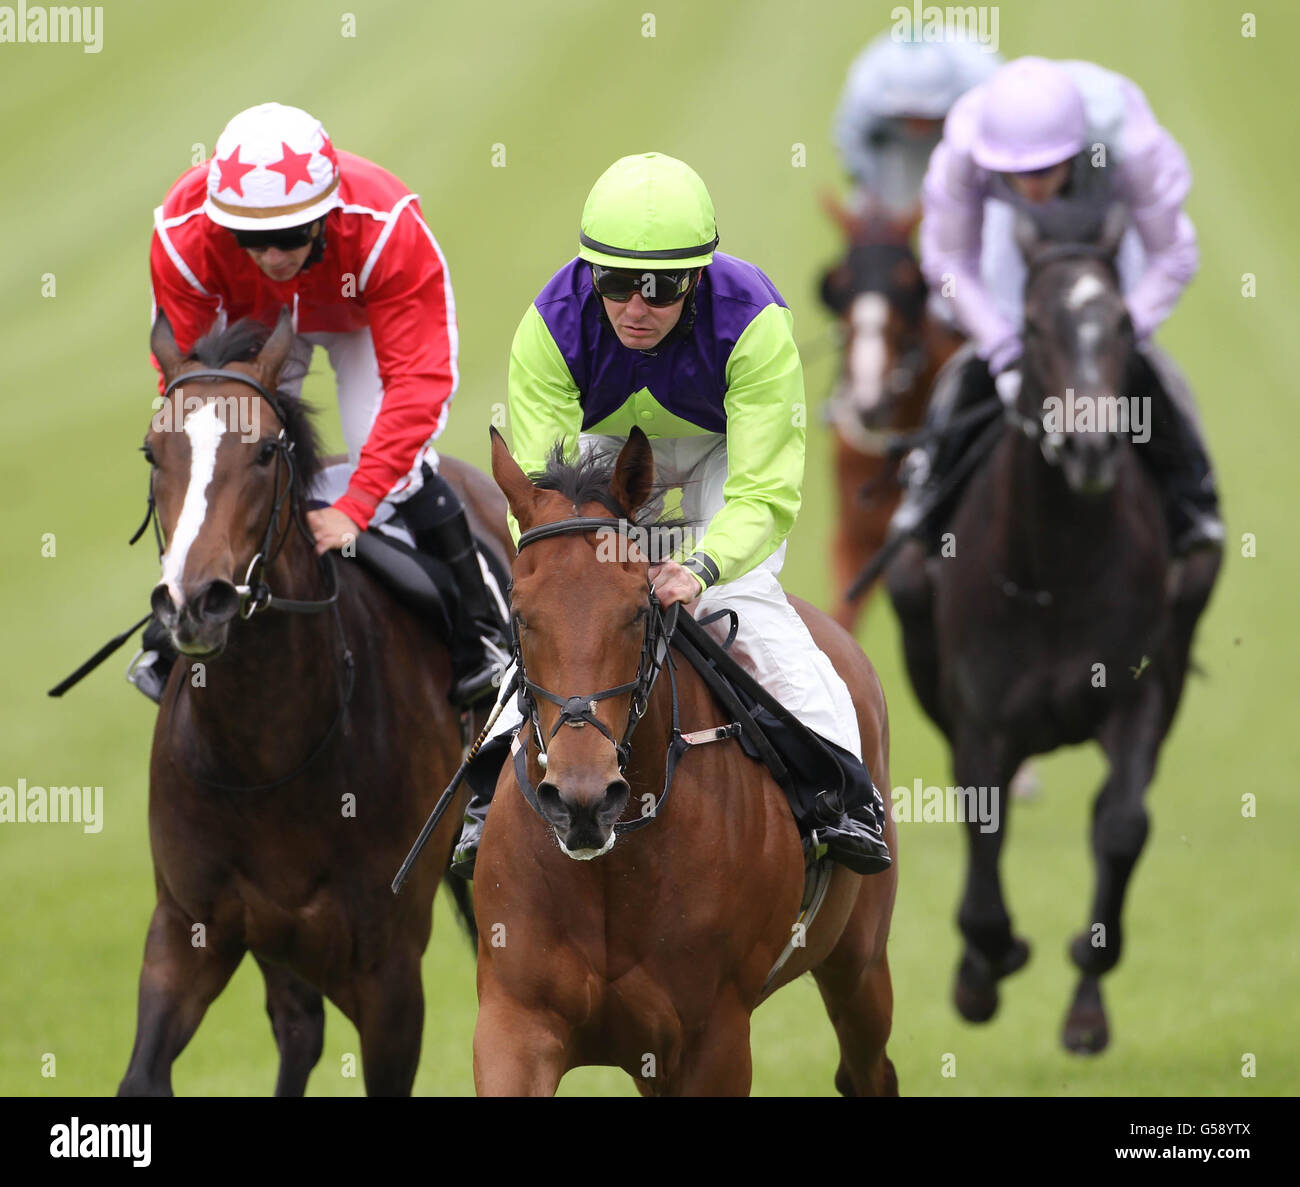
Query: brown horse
893	350
295	753
652	955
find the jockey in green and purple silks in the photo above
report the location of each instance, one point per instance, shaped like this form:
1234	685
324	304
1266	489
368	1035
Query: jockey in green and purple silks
651	326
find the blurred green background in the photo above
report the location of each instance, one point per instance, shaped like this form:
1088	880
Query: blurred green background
89	143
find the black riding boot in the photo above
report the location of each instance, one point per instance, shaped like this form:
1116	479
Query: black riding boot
480	649
1176	458
153	663
481	776
960	387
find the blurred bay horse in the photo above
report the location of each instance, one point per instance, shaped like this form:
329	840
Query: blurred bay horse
295	753
1061	618
652	954
893	350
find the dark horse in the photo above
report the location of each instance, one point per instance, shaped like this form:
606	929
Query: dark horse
651	955
1060	619
893	350
295	753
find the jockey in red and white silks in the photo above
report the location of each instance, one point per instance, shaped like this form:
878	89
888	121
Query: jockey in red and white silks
280	218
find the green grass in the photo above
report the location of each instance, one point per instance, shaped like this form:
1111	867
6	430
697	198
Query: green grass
91	142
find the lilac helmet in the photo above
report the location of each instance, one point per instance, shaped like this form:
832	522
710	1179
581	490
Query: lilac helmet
1032	117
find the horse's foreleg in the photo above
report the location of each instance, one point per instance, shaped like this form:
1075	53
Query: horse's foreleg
1131	739
517	1051
389	1015
860	528
717	1060
992	951
297	1014
184	970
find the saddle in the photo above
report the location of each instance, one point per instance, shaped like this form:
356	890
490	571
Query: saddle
422	583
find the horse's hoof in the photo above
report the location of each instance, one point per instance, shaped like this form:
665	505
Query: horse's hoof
976	999
975	993
1086	1031
1017	956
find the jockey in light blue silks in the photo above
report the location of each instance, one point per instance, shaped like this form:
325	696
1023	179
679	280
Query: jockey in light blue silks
1059	142
651	326
890	115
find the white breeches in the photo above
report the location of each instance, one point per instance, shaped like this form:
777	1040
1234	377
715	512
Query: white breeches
360	393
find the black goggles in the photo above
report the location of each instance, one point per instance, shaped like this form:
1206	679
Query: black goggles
283	238
657	288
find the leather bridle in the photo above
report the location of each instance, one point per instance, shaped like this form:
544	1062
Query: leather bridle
577	711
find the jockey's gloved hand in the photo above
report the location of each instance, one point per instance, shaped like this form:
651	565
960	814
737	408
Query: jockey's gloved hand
1008	384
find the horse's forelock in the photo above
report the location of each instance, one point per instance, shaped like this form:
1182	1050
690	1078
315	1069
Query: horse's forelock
242	343
589	480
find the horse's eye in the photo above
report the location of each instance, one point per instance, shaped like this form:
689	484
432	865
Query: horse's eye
266	453
147	450
639	617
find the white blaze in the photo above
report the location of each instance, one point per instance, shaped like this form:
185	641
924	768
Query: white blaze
867	356
1084	290
203	427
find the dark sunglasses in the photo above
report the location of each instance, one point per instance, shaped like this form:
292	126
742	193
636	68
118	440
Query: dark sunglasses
283	238
658	288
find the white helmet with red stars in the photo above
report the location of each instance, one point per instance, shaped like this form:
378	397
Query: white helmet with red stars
274	167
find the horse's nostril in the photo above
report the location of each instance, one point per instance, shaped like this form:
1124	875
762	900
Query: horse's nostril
218	602
616	794
548	795
163	607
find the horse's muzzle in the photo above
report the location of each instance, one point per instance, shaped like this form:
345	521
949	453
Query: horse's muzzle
198	626
583	818
1090	462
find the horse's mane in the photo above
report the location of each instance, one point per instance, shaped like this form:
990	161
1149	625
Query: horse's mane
588	479
242	343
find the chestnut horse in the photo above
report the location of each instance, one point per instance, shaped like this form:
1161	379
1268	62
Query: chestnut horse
893	350
652	954
295	752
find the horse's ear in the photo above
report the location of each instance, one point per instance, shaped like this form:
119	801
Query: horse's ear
514	483
851	225
276	351
1112	230
163	344
1028	236
901	228
634	473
